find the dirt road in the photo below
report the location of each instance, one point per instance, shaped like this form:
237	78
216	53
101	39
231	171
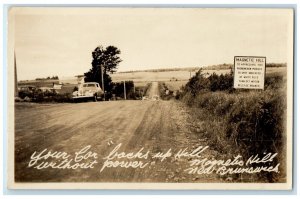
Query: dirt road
153	90
155	125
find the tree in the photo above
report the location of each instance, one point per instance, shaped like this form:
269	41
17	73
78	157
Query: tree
197	83
106	59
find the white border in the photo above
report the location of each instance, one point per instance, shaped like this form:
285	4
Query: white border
247	3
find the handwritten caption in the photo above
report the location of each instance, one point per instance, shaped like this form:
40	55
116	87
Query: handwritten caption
197	162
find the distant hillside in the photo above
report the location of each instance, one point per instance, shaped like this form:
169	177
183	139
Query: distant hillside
218	67
163	70
211	67
276	65
229	66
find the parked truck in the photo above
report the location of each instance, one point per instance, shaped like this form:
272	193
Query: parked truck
88	90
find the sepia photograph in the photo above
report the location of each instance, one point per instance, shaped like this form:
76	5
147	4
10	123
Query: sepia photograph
150	98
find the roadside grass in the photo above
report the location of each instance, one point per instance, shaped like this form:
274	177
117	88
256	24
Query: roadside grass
245	122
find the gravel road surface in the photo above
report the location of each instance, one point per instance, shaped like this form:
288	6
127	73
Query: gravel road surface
156	125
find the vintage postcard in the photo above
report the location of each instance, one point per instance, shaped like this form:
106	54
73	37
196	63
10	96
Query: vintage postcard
150	98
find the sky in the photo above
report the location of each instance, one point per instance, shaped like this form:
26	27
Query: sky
59	41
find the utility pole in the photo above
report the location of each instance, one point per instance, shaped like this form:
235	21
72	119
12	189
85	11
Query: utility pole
124	91
102	80
16	78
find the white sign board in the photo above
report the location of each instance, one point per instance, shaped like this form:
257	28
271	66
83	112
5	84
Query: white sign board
249	72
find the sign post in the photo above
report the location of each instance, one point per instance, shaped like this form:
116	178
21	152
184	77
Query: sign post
249	72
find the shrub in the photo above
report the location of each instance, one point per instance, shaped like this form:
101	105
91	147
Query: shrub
220	82
162	87
274	82
197	83
213	83
59	98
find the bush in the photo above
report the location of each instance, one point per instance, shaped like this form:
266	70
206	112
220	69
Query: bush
23	94
162	90
214	82
59	98
220	82
274	82
197	83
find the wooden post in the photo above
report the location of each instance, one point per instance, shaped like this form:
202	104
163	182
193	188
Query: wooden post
124	91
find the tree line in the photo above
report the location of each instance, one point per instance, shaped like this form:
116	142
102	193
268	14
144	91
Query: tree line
48	78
